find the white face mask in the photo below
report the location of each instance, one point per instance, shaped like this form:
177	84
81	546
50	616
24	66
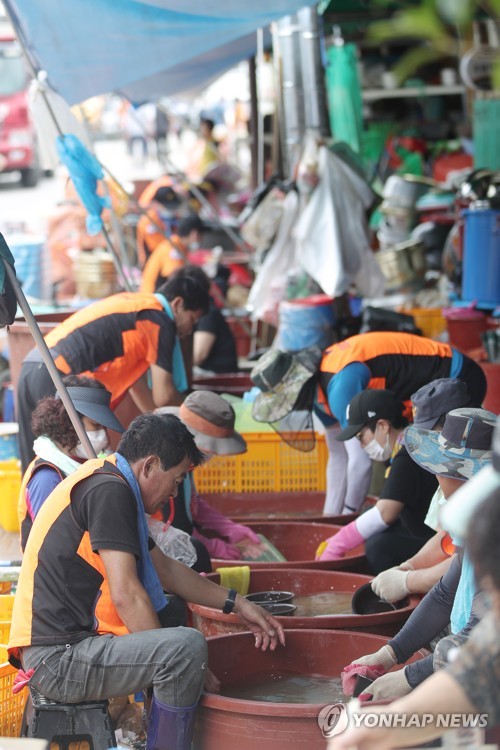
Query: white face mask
379	452
99	441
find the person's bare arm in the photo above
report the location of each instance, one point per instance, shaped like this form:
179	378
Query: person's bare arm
127	593
178	579
164	392
440	694
389	509
430	554
203	343
141	395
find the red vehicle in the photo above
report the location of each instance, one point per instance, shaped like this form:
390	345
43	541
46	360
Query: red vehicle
18	148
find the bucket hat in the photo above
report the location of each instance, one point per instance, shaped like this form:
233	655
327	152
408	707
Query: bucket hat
94	404
211	420
439	397
464	503
281	377
368	405
462	447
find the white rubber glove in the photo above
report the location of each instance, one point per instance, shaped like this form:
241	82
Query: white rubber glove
387	687
390	585
383	657
405	566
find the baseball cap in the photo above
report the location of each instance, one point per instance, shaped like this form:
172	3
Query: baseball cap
367	405
439	397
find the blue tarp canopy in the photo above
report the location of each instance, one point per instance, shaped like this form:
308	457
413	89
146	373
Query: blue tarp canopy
141	48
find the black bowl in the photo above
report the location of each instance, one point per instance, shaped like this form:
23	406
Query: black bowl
279	609
366	602
269	597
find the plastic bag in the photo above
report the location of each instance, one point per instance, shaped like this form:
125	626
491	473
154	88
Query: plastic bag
172	542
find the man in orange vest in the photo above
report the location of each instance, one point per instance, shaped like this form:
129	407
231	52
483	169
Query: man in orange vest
85	623
117	341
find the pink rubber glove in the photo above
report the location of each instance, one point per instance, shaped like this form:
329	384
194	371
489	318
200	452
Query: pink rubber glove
344	540
21	680
218	548
209	518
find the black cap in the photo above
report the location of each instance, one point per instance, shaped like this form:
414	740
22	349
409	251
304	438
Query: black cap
368	405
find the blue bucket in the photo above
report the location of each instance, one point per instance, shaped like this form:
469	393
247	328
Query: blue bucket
8	440
32	263
481	263
306	322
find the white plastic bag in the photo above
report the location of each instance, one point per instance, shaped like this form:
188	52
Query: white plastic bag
172	542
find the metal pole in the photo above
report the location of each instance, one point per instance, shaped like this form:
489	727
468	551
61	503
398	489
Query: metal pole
48	361
260	116
254	127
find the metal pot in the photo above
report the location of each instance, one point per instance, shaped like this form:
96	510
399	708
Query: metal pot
403	264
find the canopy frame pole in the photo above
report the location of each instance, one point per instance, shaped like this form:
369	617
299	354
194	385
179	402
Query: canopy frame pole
48	361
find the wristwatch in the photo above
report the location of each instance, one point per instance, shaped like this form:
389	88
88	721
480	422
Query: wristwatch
229	603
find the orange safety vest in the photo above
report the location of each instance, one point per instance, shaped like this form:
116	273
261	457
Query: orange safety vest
106	618
25	520
386	355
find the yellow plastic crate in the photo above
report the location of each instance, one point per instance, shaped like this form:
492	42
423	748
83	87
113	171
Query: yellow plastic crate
10	484
11	706
430	320
4	631
6	606
269	465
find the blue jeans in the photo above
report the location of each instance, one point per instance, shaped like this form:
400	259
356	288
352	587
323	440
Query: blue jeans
173	661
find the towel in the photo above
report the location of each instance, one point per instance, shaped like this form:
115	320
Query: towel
235	578
145	568
179	370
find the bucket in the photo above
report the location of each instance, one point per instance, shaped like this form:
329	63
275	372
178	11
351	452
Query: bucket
95	274
481	262
298	543
306	322
465	327
224	723
492	398
10	485
32	264
9	448
303	582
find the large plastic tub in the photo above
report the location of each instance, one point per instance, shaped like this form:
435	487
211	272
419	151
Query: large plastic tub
227	723
271	506
212	622
298	542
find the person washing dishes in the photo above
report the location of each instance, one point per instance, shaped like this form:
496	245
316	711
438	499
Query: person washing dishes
210	419
118	341
470	683
84	624
395	526
454	455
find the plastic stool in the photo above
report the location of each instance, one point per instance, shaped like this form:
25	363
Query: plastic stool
65	723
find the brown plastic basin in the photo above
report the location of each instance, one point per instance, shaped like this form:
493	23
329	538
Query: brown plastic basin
228	723
298	542
269	506
303	582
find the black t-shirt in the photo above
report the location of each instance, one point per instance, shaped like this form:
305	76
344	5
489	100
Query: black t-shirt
413	486
66	586
223	356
